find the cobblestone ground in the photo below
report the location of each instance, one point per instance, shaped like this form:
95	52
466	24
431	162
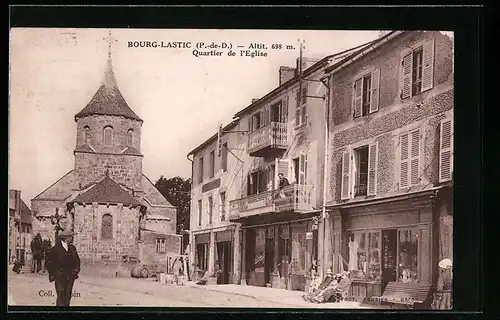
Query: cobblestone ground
35	290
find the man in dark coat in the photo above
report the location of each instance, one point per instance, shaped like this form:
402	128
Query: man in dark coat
63	266
46	245
37	251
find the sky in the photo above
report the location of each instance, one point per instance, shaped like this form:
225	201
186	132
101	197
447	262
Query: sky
181	98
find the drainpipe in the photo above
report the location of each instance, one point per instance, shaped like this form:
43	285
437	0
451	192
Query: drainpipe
191	242
326	83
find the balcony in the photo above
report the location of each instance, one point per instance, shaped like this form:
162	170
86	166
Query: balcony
268	139
293	198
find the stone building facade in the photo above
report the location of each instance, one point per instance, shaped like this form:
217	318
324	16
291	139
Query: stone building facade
106	199
391	161
20	228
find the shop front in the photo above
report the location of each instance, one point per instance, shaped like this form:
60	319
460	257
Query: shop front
280	254
386	242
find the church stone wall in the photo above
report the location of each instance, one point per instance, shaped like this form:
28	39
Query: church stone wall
89	241
120	126
124	169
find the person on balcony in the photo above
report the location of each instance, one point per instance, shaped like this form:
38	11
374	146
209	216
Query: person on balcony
283	182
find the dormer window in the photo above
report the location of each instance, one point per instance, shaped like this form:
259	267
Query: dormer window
108	136
130	137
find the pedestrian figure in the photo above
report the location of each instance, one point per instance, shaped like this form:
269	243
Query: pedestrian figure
46	245
63	265
37	250
283	182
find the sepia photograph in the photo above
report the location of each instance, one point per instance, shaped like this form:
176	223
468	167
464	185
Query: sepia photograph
231	168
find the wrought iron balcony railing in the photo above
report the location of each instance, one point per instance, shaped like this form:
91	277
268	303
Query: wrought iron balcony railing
273	135
294	197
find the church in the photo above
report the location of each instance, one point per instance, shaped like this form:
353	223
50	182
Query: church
114	210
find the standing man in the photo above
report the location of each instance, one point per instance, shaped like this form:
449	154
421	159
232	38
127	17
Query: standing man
283	182
37	251
63	266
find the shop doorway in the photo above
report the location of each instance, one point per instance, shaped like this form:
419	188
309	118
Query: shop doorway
389	256
269	260
224	262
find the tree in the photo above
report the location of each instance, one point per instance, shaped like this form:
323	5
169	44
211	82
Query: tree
178	192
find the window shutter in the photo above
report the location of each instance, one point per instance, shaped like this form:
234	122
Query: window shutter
415	158
304	114
284	112
281	166
266	116
250	123
346	157
297	107
304	94
357	97
302	169
446	150
428	65
403	163
407	76
372	169
375	90
425	253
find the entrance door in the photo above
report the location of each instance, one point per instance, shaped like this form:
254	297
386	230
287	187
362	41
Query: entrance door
269	260
389	251
224	260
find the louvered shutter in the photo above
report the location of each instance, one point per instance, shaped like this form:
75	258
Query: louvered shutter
250	128
403	163
425	251
372	169
281	166
357	97
346	157
284	110
428	65
415	157
375	83
407	76
297	107
302	169
304	94
446	150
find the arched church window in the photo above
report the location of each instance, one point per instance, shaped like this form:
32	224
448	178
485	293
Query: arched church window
86	134
108	136
130	137
107	226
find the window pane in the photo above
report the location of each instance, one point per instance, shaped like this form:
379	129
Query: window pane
260	243
408	254
374	267
107	227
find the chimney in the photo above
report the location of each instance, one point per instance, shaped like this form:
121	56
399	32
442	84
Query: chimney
306	63
255	100
286	73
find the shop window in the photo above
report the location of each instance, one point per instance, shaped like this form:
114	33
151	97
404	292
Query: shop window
299	248
365	255
408	255
260	249
160	245
202	255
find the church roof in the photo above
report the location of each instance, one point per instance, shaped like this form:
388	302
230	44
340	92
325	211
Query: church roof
131	150
108	99
107	191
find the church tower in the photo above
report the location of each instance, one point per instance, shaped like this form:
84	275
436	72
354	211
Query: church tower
108	137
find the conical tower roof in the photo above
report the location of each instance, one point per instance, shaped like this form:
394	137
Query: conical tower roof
108	99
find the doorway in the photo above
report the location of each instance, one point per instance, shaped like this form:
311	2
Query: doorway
389	258
224	262
269	260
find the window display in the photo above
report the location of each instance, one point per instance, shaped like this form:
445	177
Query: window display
408	254
374	270
260	249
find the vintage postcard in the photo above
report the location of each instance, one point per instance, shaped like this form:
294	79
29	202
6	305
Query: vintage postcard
231	168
